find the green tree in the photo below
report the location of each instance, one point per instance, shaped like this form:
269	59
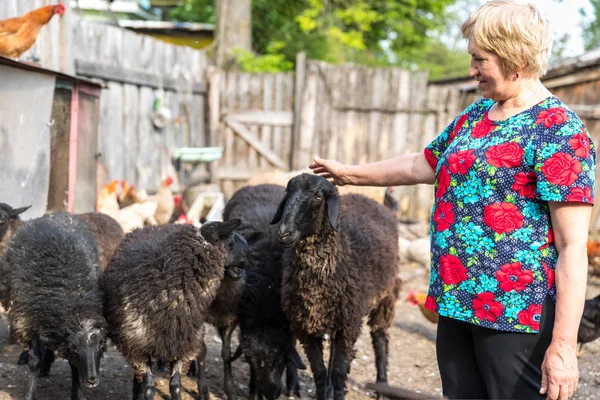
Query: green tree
591	29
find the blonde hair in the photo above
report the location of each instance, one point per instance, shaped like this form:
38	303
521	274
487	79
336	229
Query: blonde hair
517	32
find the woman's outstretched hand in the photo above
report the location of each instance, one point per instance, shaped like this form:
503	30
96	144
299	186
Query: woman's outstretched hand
332	170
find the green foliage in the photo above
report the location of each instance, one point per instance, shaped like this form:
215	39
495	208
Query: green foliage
591	30
194	11
270	62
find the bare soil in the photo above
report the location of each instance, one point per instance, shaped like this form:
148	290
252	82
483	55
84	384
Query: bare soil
412	362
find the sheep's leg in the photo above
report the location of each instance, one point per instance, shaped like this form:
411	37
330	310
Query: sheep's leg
380	346
34	369
313	347
202	385
175	382
143	382
292	381
341	362
23	358
193	369
253	385
228	382
47	360
76	393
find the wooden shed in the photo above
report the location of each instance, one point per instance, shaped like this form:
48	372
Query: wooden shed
49	139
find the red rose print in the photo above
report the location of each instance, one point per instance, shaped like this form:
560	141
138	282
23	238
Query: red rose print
443	182
486	308
461	161
503	217
561	169
483	127
451	270
552	116
525	184
512	276
580	194
430	304
459	124
504	155
549	274
581	144
443	216
531	317
431	158
550	240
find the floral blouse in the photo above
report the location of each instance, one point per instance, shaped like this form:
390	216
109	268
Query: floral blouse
492	250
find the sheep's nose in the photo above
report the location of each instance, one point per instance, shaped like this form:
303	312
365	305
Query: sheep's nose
285	235
92	381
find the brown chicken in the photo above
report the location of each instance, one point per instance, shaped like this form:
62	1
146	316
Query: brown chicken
165	203
593	252
18	34
419	299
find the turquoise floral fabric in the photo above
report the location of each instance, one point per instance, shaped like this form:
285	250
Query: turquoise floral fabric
493	256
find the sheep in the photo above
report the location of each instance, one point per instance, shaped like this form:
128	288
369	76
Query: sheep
266	339
265	336
158	287
340	264
107	232
56	304
252	205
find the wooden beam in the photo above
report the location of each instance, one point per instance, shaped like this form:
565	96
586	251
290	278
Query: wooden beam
586	111
140	78
298	92
253	142
576	77
270	118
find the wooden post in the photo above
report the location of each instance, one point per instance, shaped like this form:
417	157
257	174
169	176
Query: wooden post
214	117
298	90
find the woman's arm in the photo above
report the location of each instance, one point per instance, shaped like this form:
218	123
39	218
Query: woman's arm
570	222
407	169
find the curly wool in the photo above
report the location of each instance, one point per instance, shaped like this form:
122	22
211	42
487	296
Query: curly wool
159	286
54	278
107	232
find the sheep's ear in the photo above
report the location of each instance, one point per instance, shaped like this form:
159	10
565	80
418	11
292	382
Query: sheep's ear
17	211
333	210
279	212
219	231
50	337
294	358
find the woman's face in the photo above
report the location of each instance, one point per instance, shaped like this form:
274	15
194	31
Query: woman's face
485	68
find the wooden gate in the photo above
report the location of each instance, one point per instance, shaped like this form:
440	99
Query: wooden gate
251	118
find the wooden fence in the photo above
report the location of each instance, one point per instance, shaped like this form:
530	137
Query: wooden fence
352	114
137	70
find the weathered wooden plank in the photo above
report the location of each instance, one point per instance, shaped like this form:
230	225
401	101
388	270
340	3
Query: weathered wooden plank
111	126
270	118
140	78
214	106
131	121
150	149
300	79
248	137
267	106
307	119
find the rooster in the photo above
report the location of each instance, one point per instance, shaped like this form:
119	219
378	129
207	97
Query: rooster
165	202
18	34
418	299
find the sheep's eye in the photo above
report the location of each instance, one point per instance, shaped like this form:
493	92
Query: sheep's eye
318	198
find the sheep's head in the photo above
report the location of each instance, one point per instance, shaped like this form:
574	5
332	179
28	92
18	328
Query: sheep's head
269	353
84	348
309	205
7	214
222	233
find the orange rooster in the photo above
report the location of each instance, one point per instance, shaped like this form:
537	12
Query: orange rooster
593	253
18	34
419	299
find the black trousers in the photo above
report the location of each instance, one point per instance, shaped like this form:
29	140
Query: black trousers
482	363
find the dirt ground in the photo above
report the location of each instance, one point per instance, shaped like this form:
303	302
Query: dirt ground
412	362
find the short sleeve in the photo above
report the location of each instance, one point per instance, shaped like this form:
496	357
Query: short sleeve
564	157
438	146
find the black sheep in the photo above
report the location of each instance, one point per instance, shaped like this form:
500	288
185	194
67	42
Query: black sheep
9	223
341	265
589	327
159	286
56	301
252	205
265	336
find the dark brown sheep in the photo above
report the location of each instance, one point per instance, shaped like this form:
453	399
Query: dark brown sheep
340	265
9	223
108	234
158	287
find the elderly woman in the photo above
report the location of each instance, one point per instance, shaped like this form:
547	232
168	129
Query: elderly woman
514	185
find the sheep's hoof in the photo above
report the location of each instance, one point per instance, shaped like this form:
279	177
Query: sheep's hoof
23	358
